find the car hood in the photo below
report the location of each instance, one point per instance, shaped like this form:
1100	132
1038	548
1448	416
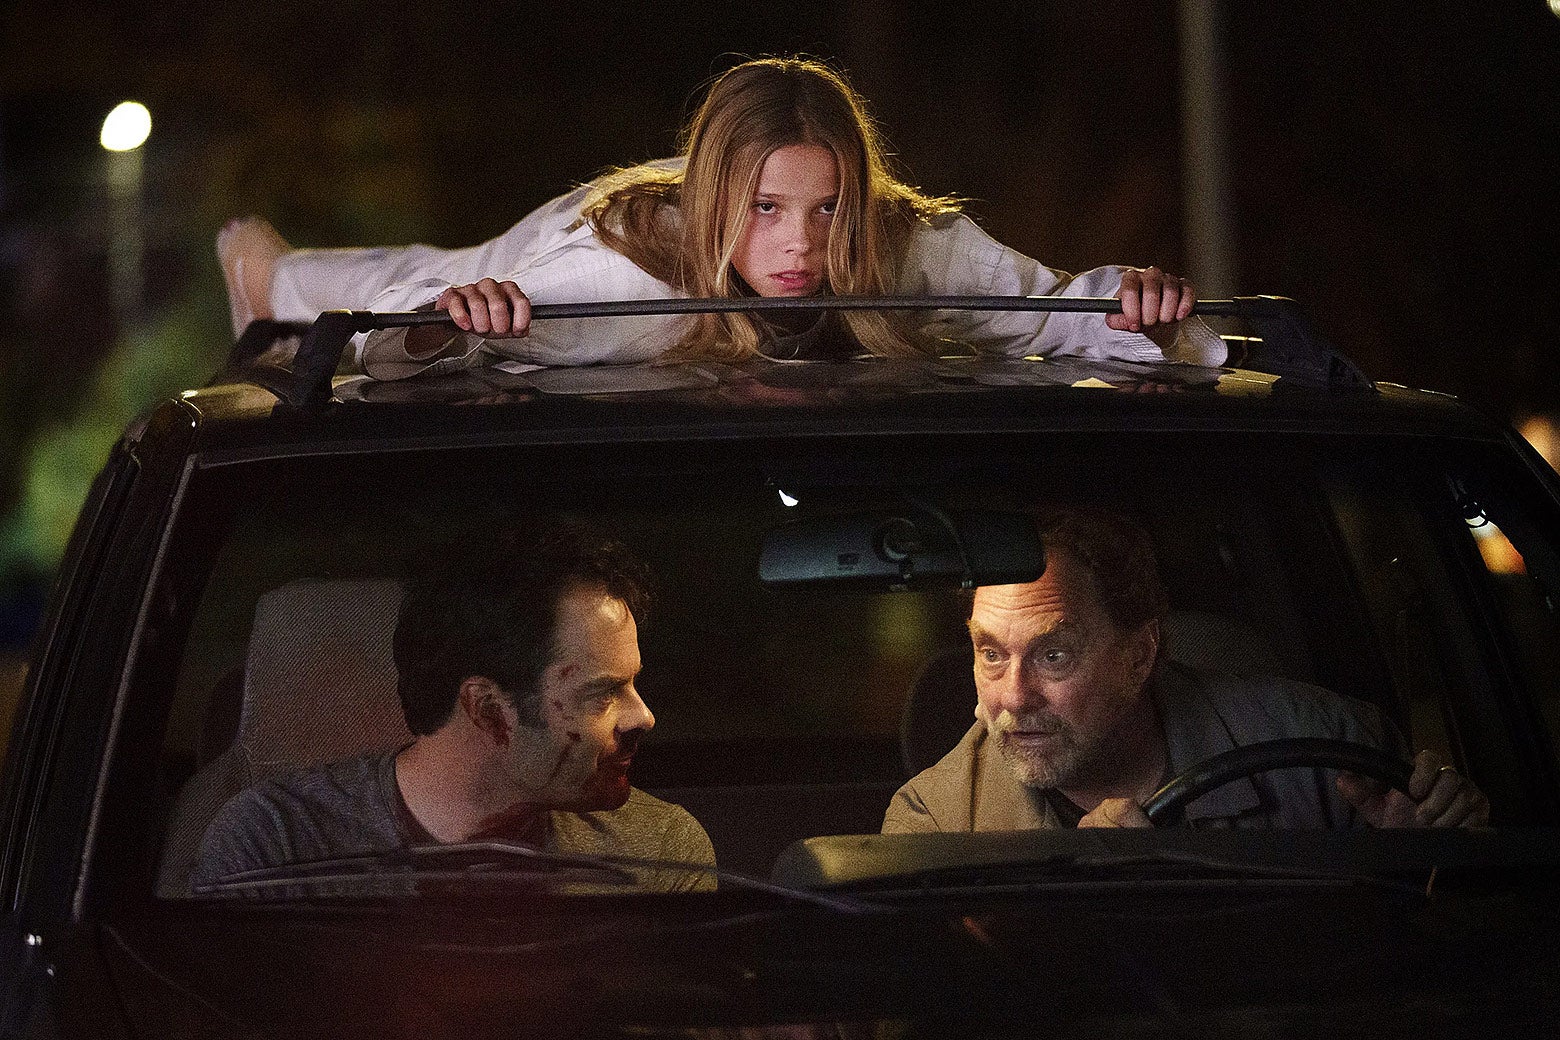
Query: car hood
1236	959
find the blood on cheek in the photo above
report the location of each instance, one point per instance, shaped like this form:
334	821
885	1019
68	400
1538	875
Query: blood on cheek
563	755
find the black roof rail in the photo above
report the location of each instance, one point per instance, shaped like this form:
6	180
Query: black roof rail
1288	346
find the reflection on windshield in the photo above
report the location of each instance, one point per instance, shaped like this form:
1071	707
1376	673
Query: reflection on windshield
383	658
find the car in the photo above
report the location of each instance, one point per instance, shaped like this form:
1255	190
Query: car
225	609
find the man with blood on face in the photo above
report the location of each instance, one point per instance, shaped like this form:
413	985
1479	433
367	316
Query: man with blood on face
1079	721
516	672
568	746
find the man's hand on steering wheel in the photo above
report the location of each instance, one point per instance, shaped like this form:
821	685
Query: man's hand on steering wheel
1116	812
1439	796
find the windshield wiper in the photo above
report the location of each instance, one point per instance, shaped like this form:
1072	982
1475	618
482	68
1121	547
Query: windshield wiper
432	862
496	861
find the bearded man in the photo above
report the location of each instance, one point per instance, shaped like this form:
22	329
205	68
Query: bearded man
1078	721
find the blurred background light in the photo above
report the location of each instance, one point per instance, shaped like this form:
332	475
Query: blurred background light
1540	430
127	127
1500	556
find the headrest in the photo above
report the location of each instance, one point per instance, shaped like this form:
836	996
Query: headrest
1219	643
940	709
319	684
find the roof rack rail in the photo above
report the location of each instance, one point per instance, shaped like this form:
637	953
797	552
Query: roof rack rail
1288	347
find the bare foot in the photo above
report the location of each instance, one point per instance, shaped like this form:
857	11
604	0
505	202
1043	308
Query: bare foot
248	248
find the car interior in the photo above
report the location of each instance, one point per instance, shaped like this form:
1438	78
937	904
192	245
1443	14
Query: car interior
792	709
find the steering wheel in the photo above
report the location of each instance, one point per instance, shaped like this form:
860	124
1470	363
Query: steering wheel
1167	806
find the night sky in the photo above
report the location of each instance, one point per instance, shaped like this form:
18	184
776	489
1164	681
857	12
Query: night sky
1393	166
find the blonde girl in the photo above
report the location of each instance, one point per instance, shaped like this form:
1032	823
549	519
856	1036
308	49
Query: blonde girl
781	188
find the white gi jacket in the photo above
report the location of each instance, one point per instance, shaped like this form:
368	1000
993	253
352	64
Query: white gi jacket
556	258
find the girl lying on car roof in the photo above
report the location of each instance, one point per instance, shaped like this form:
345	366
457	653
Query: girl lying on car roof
782	189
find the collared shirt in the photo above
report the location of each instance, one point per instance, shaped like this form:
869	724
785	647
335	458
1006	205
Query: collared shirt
1202	714
555	257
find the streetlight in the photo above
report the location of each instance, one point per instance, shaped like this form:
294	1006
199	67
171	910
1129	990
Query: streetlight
125	130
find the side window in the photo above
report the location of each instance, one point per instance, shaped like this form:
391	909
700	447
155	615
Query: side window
1452	566
1407	594
1515	537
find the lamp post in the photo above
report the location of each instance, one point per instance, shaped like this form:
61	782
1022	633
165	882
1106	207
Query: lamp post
125	130
1210	230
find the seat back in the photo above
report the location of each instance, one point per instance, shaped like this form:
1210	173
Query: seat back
1219	643
319	685
940	708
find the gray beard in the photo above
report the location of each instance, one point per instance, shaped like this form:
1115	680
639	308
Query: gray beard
1063	767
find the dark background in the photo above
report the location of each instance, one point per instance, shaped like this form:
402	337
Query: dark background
1393	166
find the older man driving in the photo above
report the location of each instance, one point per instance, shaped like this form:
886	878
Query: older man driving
1078	719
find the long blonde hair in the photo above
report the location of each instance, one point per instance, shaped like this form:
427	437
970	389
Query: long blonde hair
682	225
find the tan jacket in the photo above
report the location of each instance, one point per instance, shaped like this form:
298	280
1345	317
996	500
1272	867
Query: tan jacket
1203	713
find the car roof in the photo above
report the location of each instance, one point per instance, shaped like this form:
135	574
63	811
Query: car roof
766	398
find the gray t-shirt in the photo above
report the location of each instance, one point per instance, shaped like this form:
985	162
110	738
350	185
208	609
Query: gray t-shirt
354	807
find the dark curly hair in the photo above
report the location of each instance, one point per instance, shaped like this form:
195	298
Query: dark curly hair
1118	553
494	613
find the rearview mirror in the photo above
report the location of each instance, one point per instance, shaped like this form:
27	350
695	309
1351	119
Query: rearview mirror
913	547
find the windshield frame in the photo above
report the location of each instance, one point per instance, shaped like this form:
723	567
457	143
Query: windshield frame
180	576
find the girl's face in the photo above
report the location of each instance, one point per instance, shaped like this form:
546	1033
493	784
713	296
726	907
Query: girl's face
783	250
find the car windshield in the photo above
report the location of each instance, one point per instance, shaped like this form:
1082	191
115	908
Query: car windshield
1398	573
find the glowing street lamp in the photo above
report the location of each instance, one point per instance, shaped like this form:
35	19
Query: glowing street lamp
124	131
126	128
